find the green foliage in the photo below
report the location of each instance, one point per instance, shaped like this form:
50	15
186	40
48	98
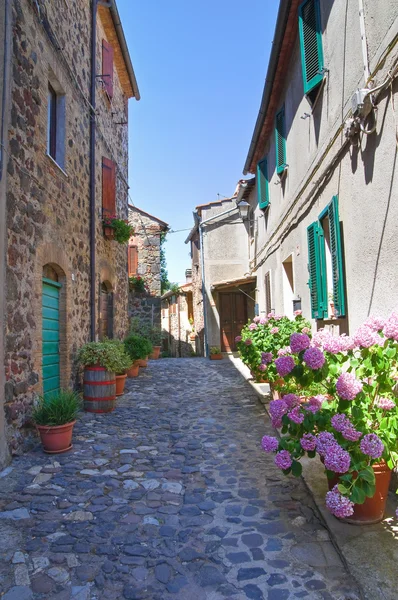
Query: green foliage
122	231
137	283
57	409
125	361
215	350
151	332
137	346
164	278
107	354
175	288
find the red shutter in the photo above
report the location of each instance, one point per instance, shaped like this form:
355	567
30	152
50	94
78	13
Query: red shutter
107	67
133	260
108	187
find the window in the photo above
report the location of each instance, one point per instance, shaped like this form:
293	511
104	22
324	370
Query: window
267	285
107	68
288	286
311	46
280	141
133	260
325	264
108	187
56	124
262	183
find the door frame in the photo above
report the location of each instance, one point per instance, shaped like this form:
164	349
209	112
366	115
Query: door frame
233	293
58	286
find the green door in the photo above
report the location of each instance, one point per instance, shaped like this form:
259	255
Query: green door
50	335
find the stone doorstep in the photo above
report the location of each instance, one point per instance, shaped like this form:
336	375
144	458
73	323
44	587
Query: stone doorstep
370	553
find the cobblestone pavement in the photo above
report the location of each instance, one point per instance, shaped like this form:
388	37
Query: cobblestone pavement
170	496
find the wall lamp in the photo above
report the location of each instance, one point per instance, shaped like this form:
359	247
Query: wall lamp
243	209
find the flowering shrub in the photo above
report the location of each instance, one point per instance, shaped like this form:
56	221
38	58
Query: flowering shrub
137	283
122	231
260	341
354	423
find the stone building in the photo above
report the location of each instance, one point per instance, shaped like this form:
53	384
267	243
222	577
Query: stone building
324	153
180	338
67	83
144	259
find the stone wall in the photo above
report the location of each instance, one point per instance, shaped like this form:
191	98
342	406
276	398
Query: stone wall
197	294
48	212
179	339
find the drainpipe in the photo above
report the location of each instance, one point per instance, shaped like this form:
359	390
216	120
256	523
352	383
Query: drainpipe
93	318
366	71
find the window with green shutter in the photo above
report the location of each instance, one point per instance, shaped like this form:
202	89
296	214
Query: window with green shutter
337	258
310	32
280	141
262	183
317	271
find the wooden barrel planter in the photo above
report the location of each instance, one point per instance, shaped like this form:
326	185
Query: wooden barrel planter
99	391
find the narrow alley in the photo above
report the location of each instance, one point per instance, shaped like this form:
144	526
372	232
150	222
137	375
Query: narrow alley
169	496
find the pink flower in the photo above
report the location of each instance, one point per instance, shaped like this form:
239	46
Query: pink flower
277	317
238	338
274	330
298	313
385	403
314	358
351	434
283	460
291	400
263	321
248	342
269	444
252	326
337	459
340	506
305	330
346	343
299	342
262	367
332	344
339	422
277	409
324	441
284	365
348	387
319	337
372	445
308	442
296	415
390	328
375	323
314	404
284	351
256	319
366	337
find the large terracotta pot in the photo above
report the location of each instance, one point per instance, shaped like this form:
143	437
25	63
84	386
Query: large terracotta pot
216	356
120	383
56	439
109	233
133	370
372	510
142	362
156	353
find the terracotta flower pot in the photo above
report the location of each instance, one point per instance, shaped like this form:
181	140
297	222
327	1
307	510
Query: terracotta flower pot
156	353
262	380
216	356
56	439
109	233
192	336
133	370
120	383
372	510
142	362
275	393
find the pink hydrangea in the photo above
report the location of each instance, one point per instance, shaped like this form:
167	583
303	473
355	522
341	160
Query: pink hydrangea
262	367
284	351
343	424
298	313
339	422
308	442
296	415
277	409
252	326
283	460
274	330
256	319
319	338
314	358
375	323
291	400
348	387
238	338
284	365
248	342
266	357
314	403
270	315
263	321
324	441
277	317
390	328
385	403
269	443
366	337
346	342
372	445
350	433
332	344
337	459
299	342
340	506
305	330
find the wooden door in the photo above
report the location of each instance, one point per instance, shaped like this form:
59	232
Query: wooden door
233	316
50	337
106	313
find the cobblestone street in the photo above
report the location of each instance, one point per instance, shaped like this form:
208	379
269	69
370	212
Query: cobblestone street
169	496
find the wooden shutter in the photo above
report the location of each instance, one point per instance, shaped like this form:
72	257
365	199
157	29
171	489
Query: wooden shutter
280	141
133	260
107	67
268	292
108	187
337	258
311	44
262	183
317	271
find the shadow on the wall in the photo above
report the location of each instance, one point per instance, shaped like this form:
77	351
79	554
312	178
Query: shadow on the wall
175	348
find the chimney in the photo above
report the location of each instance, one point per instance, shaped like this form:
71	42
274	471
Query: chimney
188	276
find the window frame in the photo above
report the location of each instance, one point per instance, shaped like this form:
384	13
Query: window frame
315	81
280	139
263	199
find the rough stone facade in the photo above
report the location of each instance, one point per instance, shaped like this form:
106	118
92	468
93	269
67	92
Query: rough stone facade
48	208
148	232
177	313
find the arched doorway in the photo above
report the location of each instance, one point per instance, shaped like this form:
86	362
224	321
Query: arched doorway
51	288
106	311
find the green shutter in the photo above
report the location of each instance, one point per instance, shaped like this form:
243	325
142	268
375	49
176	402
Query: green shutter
311	44
50	337
337	258
262	183
280	141
317	271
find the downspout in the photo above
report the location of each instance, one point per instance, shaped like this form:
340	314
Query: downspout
366	72
93	318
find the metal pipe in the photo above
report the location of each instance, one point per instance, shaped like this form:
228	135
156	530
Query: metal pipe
366	71
92	169
202	268
5	80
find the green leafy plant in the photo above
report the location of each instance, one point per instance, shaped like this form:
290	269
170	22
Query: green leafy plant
57	409
164	278
107	354
122	231
137	346
124	361
137	283
215	350
151	332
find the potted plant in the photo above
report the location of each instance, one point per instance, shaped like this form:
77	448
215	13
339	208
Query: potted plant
353	427
55	417
215	353
137	283
124	363
100	360
138	348
117	229
155	337
192	335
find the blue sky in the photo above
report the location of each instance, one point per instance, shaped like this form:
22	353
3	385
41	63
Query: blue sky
200	68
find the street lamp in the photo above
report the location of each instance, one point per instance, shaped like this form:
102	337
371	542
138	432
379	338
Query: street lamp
243	209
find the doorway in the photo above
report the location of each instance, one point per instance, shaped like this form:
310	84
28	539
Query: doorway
106	312
50	336
233	316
